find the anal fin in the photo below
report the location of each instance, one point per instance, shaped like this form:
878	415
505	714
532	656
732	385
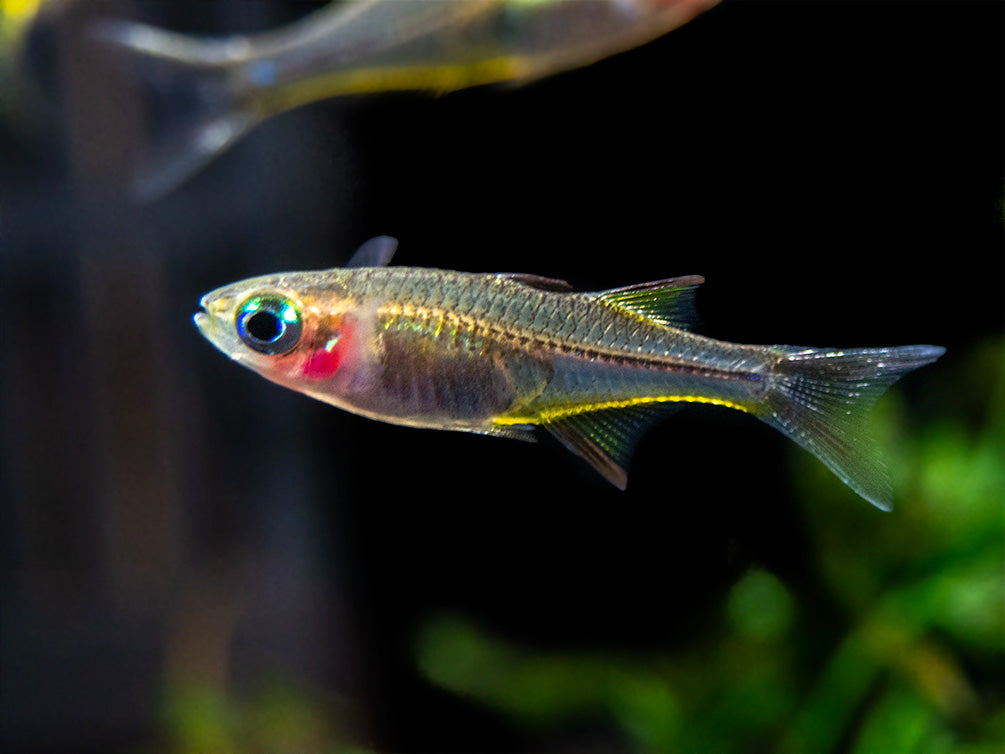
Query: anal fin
605	438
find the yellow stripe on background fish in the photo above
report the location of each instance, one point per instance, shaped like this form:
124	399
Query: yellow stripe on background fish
15	17
218	89
19	9
500	354
28	29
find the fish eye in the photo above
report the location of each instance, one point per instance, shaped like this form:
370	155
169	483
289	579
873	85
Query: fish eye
269	324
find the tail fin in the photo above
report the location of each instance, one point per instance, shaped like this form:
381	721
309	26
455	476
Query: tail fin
821	398
191	109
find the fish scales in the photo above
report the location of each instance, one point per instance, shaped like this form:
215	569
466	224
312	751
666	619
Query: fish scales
498	354
433	327
618	345
620	357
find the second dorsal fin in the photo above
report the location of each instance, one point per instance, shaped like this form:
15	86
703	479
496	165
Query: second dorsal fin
669	301
536	281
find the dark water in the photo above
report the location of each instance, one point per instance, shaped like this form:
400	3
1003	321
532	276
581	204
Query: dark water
171	521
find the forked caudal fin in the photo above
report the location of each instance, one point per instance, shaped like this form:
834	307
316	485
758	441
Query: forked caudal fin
190	108
821	398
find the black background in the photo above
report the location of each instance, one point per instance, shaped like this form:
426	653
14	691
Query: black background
834	170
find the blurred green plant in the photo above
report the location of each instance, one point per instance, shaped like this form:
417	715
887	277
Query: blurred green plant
917	665
277	716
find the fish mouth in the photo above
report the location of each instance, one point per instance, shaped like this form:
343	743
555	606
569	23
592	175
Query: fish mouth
201	320
214	311
214	306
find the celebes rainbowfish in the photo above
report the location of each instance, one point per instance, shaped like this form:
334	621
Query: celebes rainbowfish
205	93
500	354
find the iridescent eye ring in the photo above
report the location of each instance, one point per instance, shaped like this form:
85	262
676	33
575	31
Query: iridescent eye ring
269	324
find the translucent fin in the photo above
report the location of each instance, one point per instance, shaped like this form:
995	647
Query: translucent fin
605	438
536	281
669	302
522	432
191	111
377	252
821	399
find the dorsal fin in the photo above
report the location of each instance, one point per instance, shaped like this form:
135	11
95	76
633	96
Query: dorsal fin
536	281
376	252
669	302
606	437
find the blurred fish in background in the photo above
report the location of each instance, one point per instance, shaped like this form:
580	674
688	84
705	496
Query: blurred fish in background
27	37
217	89
16	20
128	573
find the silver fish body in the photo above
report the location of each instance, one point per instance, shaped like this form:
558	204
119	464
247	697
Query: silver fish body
218	89
500	354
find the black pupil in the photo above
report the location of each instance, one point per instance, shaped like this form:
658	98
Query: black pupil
264	326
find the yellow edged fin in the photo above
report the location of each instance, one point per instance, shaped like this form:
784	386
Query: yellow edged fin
668	302
605	434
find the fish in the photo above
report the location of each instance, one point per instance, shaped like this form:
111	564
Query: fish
16	19
216	89
28	33
502	354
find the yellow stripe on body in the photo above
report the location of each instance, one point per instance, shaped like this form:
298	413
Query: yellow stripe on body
419	317
557	414
436	78
425	313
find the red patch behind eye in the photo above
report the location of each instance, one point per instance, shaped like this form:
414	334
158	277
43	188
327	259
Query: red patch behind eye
322	363
325	359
